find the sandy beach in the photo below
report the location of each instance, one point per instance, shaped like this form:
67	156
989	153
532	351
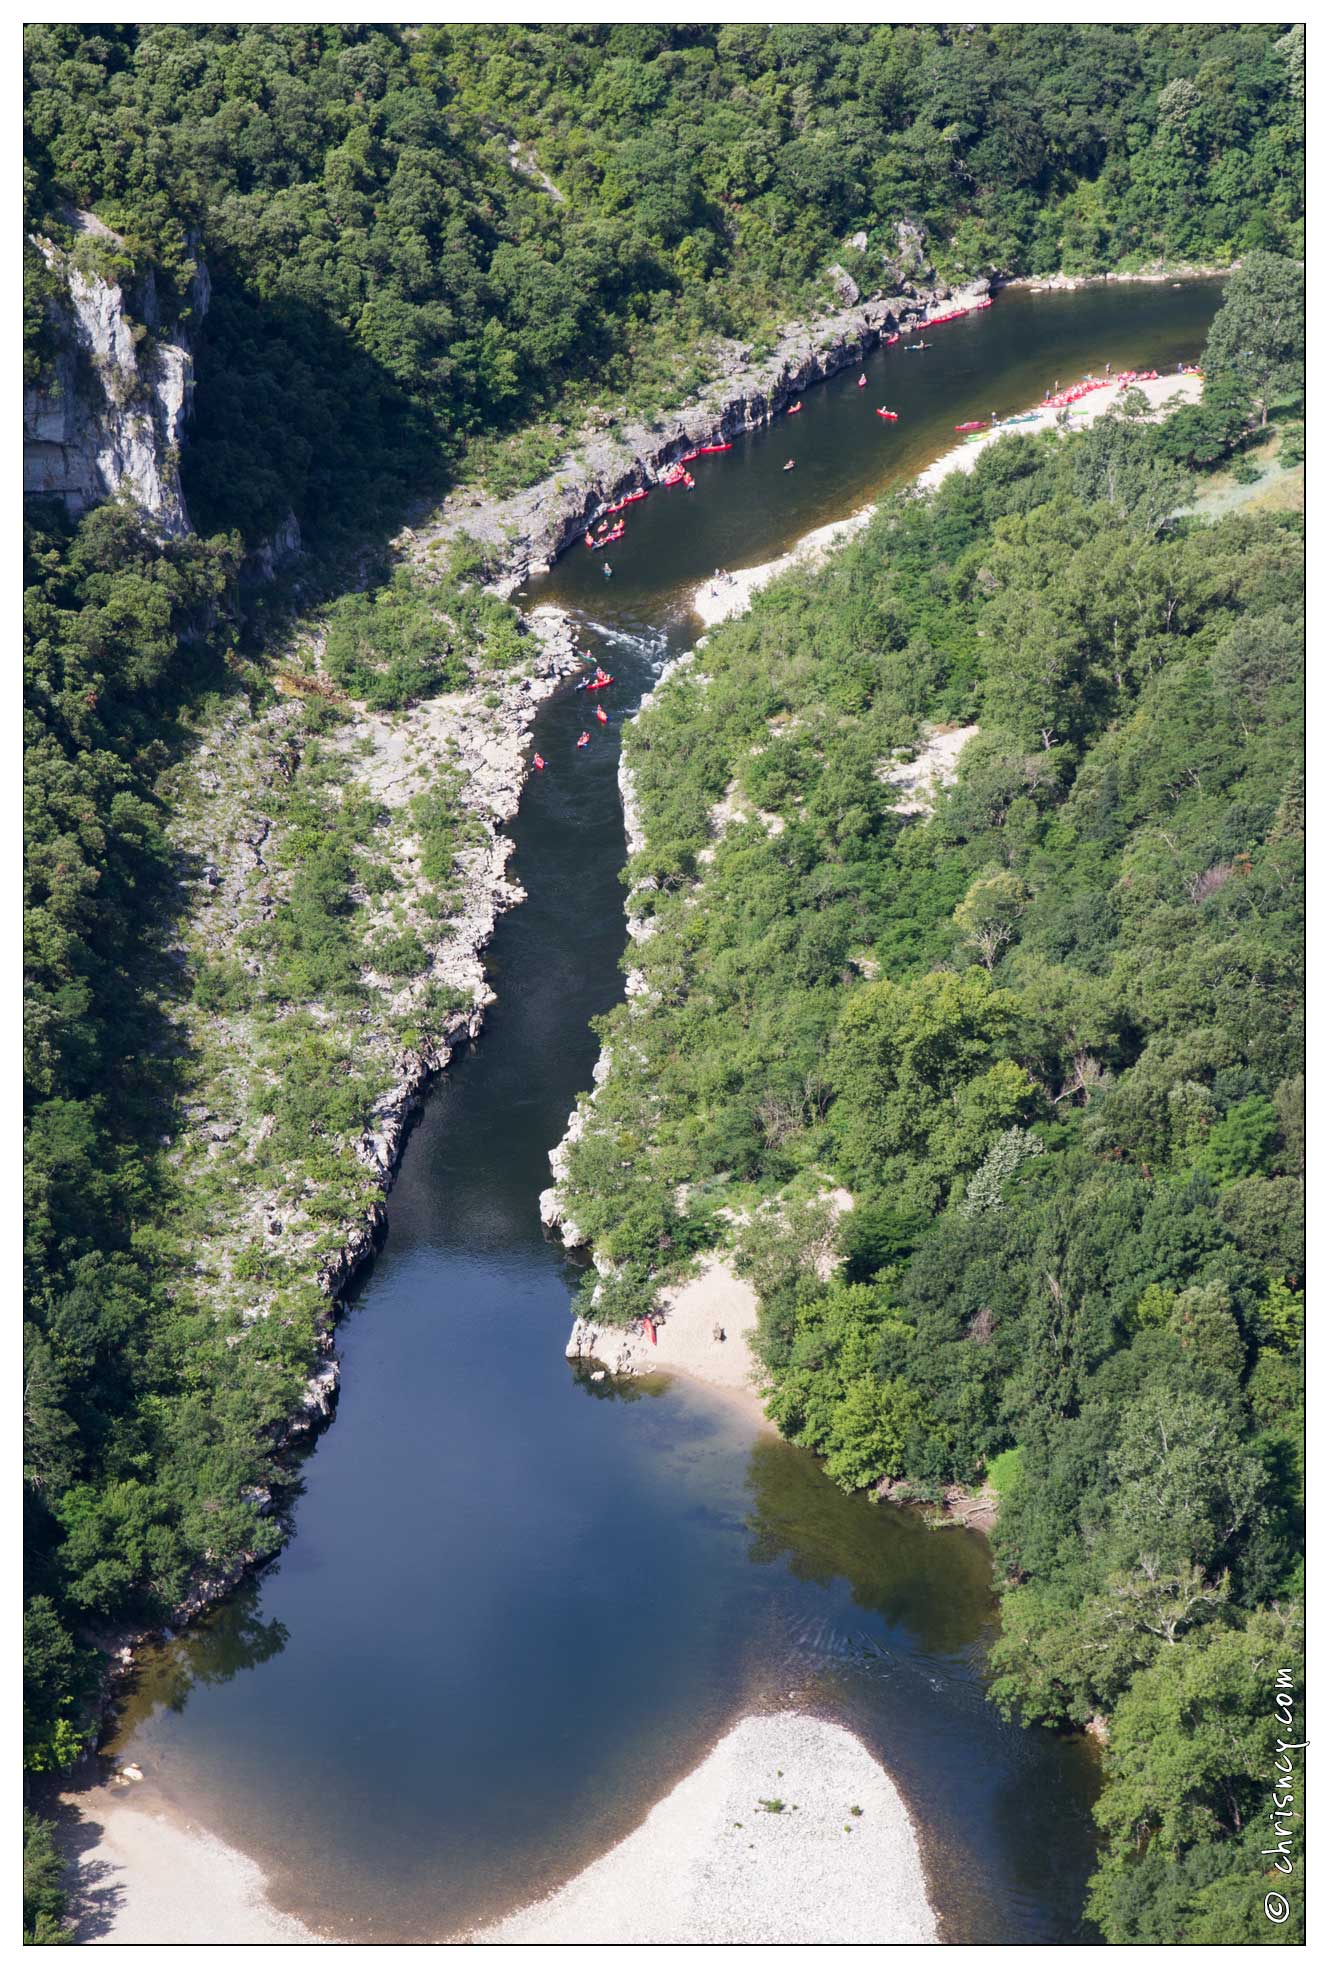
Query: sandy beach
837	1862
716	601
686	1341
1160	390
139	1872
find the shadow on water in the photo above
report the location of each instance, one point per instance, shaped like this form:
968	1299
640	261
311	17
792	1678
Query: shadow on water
513	1616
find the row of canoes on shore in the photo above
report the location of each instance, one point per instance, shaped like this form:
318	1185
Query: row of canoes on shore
601	534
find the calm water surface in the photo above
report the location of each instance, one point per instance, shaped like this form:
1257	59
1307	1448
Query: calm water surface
519	1605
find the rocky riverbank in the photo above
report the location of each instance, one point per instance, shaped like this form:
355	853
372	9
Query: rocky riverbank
1071	283
524	533
270	1229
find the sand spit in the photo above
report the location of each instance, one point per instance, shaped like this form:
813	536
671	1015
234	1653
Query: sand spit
1162	391
716	601
138	1873
713	1863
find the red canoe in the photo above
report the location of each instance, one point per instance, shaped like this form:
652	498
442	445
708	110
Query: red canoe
600	714
892	416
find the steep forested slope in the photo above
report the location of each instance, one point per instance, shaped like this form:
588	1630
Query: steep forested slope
1050	1038
386	286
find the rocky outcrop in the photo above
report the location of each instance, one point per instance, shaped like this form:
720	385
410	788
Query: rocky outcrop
621	1352
524	534
108	418
281	546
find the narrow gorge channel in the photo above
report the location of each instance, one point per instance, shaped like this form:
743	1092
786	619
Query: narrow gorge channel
520	1604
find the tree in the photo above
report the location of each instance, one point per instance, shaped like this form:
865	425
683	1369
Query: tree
988	917
1259	333
43	1897
1193	1760
914	1074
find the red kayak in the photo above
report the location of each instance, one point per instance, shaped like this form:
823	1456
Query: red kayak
600	714
628	499
793	410
599	683
862	382
975	424
707	449
891	340
585	739
892	416
539	763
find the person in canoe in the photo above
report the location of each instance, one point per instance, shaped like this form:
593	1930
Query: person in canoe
585	739
539	763
788	465
601	714
862	382
793	410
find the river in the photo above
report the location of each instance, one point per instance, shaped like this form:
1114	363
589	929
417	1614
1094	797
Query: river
519	1604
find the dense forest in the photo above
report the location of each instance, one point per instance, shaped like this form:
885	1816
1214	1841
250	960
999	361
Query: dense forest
388	288
393	289
1049	1038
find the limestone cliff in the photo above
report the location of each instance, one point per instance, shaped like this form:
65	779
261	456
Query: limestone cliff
108	416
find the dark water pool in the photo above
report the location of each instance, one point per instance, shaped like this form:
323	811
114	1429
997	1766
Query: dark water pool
519	1605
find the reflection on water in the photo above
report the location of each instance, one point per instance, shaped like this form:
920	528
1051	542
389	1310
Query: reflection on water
937	1585
511	1616
231	1640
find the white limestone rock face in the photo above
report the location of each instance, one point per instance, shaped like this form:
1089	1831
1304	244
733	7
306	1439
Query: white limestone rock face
109	418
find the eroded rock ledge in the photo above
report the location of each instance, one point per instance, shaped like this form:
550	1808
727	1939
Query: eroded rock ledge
525	533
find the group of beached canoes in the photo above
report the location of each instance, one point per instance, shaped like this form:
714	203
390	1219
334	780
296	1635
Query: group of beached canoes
602	534
1059	399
